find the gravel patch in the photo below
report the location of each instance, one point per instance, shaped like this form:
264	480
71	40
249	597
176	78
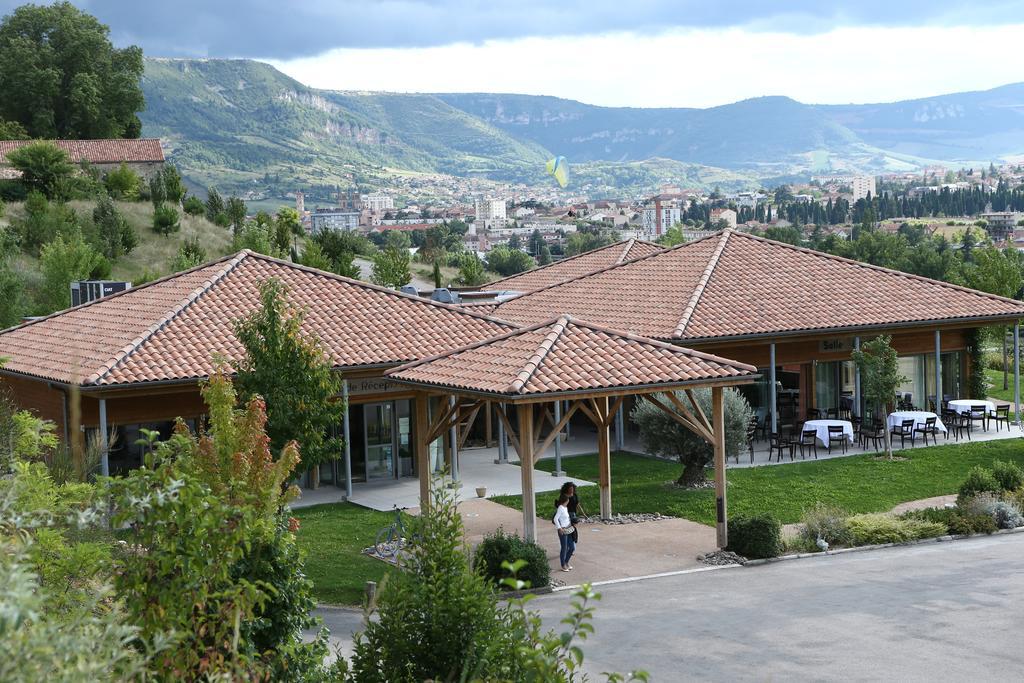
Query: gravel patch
721	557
628	518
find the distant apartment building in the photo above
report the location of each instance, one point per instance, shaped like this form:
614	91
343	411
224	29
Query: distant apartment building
727	215
659	215
1001	224
862	186
333	219
490	209
378	201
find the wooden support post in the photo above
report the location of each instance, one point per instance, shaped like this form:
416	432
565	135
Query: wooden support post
104	440
525	448
718	420
488	431
604	461
422	448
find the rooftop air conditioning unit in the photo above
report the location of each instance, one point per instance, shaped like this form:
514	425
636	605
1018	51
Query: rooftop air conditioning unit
84	291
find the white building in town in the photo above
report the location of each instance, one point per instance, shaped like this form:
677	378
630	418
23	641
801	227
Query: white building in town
333	219
378	201
862	185
659	216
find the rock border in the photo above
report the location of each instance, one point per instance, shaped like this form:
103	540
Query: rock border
879	546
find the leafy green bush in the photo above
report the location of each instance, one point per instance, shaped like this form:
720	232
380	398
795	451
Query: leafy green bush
979	480
755	536
958	522
501	547
875	528
826	522
1008	475
166	220
194	206
123	183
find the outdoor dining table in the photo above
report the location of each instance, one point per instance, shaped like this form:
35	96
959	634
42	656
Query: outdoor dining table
963	406
821	427
918	416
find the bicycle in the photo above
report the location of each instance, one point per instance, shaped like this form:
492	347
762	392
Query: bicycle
391	538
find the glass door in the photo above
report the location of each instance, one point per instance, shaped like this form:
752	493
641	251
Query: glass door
380	440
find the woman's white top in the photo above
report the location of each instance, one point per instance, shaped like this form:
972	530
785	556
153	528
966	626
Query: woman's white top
562	517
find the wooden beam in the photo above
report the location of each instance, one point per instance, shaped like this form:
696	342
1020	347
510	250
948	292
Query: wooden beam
600	407
615	408
444	420
488	425
703	428
721	516
469	423
509	432
692	426
703	419
589	413
604	463
422	448
526	470
539	451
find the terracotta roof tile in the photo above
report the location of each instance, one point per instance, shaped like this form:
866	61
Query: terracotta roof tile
98	151
574	266
732	284
171	329
568	355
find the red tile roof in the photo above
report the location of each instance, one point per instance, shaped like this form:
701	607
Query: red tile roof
732	284
98	151
171	329
574	266
567	355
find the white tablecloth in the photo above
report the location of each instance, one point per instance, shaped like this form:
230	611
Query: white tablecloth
918	416
963	406
821	427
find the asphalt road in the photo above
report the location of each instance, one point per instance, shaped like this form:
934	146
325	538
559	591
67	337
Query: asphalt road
936	612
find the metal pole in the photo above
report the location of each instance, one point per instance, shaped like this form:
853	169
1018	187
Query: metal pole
347	433
856	382
104	440
453	434
774	395
938	372
558	443
1016	372
502	440
620	428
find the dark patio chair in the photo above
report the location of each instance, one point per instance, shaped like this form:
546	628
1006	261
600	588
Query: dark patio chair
813	414
776	444
979	413
766	426
954	423
904	430
875	435
832	414
1002	416
928	428
751	436
836	434
809	441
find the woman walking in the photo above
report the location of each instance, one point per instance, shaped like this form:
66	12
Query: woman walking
565	529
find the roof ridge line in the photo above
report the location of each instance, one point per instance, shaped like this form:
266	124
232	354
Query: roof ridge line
131	347
883	269
625	252
698	291
534	361
555	263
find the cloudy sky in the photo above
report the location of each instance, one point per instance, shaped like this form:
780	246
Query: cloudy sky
643	53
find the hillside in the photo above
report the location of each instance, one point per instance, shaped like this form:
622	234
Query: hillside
232	122
242	124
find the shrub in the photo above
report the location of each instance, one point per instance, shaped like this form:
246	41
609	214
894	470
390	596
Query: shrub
965	524
42	164
871	529
979	480
1007	515
501	547
194	206
1008	475
755	536
166	220
826	522
123	183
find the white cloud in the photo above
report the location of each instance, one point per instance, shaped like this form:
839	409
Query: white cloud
689	68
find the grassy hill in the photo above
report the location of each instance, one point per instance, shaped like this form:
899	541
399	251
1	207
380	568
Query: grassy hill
238	122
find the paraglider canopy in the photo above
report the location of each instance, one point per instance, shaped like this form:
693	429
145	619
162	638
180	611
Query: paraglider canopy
558	168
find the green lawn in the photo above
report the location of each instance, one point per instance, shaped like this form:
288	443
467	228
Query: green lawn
332	537
995	378
856	483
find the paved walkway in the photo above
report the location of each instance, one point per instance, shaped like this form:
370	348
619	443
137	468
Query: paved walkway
605	551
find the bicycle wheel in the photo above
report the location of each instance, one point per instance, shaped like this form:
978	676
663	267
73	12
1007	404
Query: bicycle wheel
388	542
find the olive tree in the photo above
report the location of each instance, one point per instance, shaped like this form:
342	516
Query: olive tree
879	375
665	436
